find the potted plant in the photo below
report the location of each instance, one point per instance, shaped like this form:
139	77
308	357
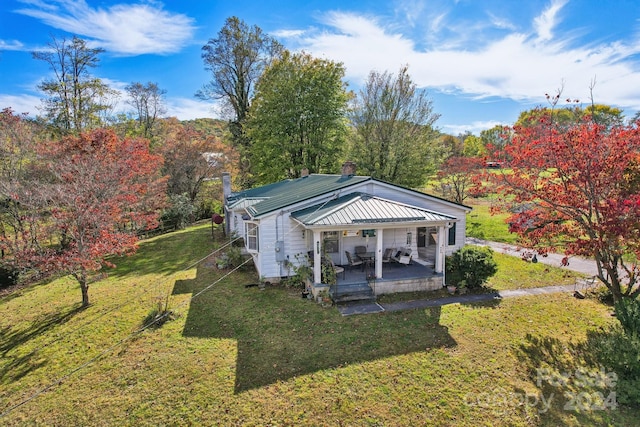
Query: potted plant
462	287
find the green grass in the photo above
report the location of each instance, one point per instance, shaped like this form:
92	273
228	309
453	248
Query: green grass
513	273
242	356
482	224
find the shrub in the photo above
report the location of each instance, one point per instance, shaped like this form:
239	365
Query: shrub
8	276
179	214
231	258
471	264
628	313
301	272
620	353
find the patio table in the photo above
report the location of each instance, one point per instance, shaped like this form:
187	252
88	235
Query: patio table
367	258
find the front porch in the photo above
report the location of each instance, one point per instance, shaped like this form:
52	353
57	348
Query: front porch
361	284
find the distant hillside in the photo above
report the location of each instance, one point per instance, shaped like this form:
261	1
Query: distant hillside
208	126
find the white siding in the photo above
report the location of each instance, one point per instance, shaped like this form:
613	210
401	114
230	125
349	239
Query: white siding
274	228
268	267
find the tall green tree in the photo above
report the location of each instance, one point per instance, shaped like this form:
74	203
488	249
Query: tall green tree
605	115
236	59
602	114
297	119
473	146
18	141
75	100
395	135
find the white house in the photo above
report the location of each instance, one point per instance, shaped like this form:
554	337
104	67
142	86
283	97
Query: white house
299	220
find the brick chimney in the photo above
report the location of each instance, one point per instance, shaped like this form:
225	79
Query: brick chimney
226	186
304	172
348	168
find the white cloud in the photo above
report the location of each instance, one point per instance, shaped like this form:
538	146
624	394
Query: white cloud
189	109
521	66
500	22
182	108
360	43
126	29
545	23
286	34
21	104
475	127
11	45
410	10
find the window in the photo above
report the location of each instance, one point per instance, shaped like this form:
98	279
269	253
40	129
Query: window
452	235
252	236
331	242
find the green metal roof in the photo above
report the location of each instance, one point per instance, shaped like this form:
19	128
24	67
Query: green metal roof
361	208
272	197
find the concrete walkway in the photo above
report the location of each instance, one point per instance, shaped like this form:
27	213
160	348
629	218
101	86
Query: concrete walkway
375	307
578	264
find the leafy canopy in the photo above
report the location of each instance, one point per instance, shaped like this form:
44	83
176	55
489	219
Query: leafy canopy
394	137
80	203
575	185
297	119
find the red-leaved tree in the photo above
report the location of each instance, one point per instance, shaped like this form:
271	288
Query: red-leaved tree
461	177
577	186
81	202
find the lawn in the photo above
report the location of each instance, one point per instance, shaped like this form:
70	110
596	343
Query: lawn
239	355
482	224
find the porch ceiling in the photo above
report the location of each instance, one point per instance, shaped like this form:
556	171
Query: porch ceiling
361	208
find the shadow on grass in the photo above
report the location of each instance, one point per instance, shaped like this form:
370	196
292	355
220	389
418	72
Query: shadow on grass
279	335
15	366
568	376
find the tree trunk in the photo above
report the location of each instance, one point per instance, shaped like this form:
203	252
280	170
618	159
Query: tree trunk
85	294
81	277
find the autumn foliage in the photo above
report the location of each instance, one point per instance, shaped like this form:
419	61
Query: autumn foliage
80	202
192	157
576	187
461	177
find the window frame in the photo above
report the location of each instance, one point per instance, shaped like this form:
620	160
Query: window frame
451	238
252	234
331	242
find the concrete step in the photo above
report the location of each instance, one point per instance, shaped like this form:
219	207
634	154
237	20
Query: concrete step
352	292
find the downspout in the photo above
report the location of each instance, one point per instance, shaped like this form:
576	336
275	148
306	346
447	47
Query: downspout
444	257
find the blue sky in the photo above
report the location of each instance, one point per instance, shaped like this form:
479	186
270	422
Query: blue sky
482	62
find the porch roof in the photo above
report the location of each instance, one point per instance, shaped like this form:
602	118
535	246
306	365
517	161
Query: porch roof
362	208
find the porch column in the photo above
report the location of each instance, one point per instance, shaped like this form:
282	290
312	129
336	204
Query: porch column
379	250
317	257
440	252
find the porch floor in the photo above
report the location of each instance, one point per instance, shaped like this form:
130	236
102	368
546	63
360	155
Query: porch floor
353	285
390	272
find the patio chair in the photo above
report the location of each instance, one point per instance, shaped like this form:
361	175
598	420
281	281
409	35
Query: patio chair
352	262
402	256
360	250
386	257
326	261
